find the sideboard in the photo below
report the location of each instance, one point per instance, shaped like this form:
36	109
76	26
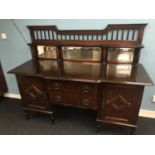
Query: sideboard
87	69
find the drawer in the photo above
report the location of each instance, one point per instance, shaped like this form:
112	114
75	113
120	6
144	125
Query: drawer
88	88
88	101
71	98
71	86
64	85
84	88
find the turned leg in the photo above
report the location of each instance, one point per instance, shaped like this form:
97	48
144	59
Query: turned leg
52	119
98	128
132	131
27	115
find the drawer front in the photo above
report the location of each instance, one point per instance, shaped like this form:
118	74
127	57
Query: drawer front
73	86
88	88
73	93
71	98
121	103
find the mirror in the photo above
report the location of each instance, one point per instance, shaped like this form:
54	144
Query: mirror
47	52
82	53
124	55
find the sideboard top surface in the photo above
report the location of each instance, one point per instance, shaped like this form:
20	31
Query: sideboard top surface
85	72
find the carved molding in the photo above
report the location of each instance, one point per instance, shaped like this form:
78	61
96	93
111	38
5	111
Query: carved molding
118	103
34	92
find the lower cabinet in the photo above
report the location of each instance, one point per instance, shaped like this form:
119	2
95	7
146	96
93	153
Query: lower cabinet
120	104
115	103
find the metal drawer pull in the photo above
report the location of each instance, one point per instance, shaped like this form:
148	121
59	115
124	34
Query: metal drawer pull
86	101
58	98
86	89
56	85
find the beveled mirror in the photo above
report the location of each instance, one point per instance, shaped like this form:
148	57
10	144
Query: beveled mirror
47	52
82	53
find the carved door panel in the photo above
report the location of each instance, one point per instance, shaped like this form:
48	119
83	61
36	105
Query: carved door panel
121	103
34	93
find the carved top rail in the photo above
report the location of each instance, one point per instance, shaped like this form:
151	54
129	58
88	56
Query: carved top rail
112	35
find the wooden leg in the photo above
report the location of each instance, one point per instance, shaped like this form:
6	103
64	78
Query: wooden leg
52	119
132	131
27	115
98	128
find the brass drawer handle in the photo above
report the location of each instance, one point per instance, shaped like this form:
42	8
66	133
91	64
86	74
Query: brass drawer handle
58	98
86	88
56	85
86	101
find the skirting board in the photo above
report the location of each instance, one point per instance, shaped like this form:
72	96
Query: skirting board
15	96
142	113
147	113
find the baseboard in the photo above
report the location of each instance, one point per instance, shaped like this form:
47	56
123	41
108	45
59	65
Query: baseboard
147	113
142	113
15	96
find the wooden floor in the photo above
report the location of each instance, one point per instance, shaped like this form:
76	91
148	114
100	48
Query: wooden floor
68	121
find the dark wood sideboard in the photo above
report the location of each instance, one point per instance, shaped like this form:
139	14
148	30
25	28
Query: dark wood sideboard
3	86
88	69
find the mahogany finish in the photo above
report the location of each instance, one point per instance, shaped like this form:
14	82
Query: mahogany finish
114	90
3	86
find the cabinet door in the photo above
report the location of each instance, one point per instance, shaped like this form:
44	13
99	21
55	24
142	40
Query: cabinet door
120	103
34	92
